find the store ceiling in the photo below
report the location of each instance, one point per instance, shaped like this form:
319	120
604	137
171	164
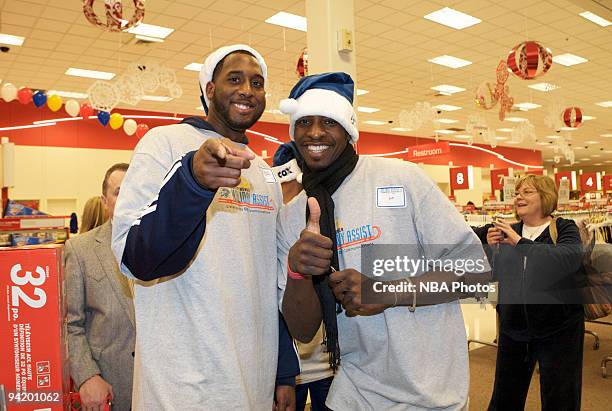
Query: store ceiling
393	45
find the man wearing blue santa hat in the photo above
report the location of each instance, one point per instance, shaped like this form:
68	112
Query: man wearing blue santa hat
404	350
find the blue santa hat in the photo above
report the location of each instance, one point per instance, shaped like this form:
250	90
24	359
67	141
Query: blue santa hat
328	95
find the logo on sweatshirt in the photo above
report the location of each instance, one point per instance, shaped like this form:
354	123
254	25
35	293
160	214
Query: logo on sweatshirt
243	197
348	238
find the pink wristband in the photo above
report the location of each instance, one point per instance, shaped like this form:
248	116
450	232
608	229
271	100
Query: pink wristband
295	276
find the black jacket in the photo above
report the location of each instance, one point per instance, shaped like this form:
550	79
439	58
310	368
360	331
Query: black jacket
539	282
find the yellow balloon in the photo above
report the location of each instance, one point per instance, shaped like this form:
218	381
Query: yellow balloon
116	121
54	102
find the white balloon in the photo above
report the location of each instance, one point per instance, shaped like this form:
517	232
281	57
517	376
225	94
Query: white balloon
9	92
72	107
129	126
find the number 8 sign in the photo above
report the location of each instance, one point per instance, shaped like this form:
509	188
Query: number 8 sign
461	178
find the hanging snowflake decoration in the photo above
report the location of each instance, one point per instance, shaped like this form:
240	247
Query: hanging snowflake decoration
421	114
103	96
524	131
129	88
553	118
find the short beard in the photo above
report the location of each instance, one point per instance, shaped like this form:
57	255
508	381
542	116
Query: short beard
223	113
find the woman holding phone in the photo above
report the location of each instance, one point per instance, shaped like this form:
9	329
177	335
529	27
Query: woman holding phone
539	269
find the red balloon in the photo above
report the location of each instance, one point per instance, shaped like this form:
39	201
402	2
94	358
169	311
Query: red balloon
141	130
24	95
86	111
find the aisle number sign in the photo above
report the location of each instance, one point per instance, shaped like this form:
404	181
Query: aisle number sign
461	178
607	183
497	178
509	188
590	182
564	191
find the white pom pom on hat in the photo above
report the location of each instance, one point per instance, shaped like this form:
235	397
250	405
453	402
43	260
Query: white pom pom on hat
288	106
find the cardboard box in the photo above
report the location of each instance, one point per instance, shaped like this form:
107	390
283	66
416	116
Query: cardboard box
34	371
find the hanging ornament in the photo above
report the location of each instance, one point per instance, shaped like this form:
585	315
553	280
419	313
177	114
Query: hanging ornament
24	95
487	98
54	102
103	117
39	98
421	114
72	107
524	131
129	88
86	111
533	60
302	64
114	13
129	126
572	117
554	117
141	130
103	96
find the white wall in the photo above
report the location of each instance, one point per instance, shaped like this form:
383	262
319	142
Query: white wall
62	179
482	183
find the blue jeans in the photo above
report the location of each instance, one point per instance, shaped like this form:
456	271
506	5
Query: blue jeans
318	394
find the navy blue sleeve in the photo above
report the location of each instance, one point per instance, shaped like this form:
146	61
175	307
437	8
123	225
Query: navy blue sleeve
288	362
168	233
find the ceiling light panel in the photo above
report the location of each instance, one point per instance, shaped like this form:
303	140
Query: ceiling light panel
11	40
447	107
527	106
150	30
595	18
448	89
569	59
100	75
450	61
364	109
543	87
452	18
375	122
291	21
193	66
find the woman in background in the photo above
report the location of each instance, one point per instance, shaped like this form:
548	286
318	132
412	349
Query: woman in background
94	214
538	273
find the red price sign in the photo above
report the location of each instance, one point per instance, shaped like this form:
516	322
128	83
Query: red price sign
588	182
497	179
461	178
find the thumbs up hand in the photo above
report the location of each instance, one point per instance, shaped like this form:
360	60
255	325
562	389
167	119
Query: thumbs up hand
312	252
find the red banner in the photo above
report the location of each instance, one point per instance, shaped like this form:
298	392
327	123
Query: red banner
416	153
461	178
588	182
607	183
497	178
563	174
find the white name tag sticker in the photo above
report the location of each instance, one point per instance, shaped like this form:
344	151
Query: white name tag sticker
268	175
390	197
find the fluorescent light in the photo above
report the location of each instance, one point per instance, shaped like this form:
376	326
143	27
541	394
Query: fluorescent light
463	136
448	89
577	148
156	98
512	142
500	138
149	38
291	21
101	75
595	18
364	109
569	59
375	122
11	40
587	118
553	137
605	104
595	155
450	61
271	111
606	135
527	106
151	30
568	128
67	94
542	143
543	87
515	119
591	142
505	130
447	121
401	129
444	131
452	18
361	92
193	66
447	107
